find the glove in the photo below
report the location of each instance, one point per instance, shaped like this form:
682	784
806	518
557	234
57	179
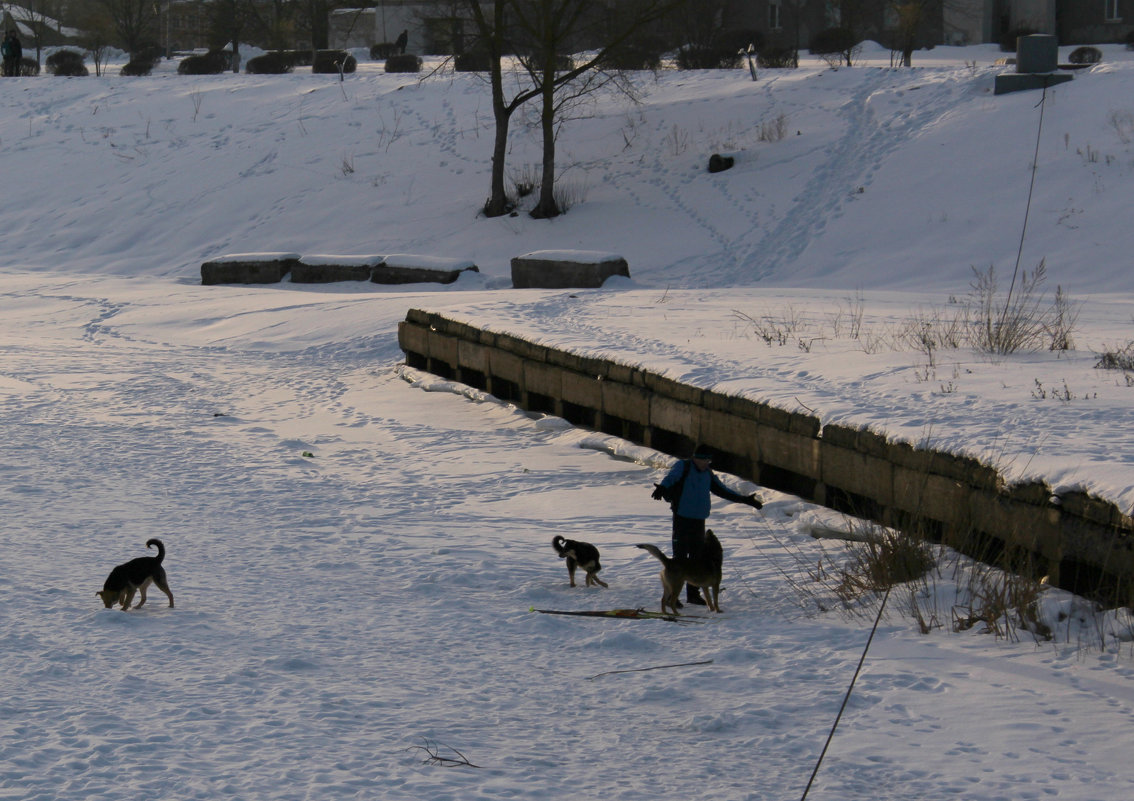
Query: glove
755	502
660	493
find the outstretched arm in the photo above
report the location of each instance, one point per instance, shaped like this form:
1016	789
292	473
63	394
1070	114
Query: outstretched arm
721	491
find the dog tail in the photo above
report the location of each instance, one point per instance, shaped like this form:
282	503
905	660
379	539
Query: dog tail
560	545
155	542
655	551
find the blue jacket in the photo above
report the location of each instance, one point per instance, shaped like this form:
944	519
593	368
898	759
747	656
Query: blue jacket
694	501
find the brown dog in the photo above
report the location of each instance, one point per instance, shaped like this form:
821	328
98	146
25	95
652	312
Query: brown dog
702	571
579	554
135	576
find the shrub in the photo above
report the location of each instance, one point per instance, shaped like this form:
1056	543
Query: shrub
137	68
151	52
382	51
473	61
211	63
715	57
1085	55
834	45
777	58
884	559
66	63
29	67
274	63
1018	321
1117	359
1130	41
641	55
298	58
403	62
328	62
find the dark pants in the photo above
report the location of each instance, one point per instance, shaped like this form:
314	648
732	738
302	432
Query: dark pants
688	542
688	536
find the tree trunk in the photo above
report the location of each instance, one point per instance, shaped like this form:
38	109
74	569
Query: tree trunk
547	207
498	203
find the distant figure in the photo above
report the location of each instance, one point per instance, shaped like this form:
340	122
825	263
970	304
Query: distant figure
400	43
12	52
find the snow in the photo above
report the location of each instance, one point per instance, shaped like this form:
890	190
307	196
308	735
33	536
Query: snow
352	260
576	256
427	262
343	615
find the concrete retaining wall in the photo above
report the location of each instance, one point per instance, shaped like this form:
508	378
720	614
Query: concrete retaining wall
1081	542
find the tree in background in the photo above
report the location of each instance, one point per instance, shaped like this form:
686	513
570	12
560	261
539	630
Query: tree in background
542	33
492	38
229	21
134	23
43	19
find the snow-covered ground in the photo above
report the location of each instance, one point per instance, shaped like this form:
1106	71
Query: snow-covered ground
342	615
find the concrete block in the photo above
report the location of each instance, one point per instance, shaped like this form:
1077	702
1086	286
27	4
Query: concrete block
793	452
1008	82
404	268
248	268
582	390
444	348
853	471
327	269
565	269
413	338
674	390
1037	53
735	435
935	497
673	415
473	356
543	379
507	366
626	402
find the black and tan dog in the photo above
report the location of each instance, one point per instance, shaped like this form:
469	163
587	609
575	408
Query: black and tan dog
703	570
579	554
135	576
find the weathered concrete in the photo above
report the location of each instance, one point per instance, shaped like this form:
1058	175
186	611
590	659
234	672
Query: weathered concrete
248	268
566	269
328	269
1079	541
406	268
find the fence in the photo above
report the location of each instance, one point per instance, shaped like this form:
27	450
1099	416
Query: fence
1081	542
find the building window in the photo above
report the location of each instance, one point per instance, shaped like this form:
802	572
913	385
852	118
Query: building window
1112	11
775	15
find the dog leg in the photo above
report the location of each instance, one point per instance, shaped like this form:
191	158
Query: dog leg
127	599
164	587
571	564
591	577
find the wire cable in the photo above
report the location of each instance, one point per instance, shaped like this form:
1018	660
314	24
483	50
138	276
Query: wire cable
846	698
1028	207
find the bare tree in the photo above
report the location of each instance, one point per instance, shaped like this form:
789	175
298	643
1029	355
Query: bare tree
909	16
98	33
42	18
547	30
134	22
489	18
228	22
541	32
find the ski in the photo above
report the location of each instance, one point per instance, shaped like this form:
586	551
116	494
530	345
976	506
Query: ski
621	614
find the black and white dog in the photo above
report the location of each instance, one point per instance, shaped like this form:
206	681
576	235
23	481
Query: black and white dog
579	554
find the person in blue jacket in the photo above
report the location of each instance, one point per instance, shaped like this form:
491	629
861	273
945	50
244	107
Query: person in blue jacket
687	487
